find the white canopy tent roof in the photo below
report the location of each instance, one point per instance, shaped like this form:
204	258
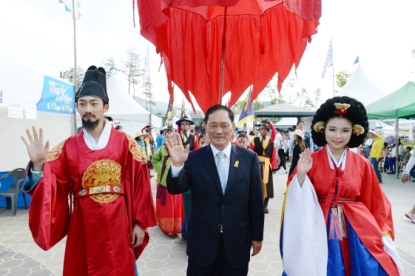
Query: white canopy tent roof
123	107
126	111
286	122
360	87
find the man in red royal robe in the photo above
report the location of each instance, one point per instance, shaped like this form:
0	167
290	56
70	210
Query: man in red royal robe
105	176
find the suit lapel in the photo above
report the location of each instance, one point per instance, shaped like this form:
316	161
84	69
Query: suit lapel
233	171
209	162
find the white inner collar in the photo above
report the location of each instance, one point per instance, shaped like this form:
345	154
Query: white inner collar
342	161
103	138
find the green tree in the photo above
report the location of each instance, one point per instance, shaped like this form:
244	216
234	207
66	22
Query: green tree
301	96
149	95
317	97
342	77
270	92
308	103
69	76
237	107
281	99
131	67
289	90
257	105
108	64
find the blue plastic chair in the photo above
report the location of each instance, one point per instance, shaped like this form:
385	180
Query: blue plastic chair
14	190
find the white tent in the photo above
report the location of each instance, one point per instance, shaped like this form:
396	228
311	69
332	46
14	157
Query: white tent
124	109
286	122
405	127
25	102
360	87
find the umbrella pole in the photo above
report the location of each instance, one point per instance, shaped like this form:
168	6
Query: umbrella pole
396	147
222	62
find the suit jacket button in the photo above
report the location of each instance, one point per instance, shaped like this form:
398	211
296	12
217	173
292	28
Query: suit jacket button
223	206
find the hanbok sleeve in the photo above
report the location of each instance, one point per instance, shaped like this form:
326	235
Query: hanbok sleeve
274	159
157	160
49	209
375	200
143	205
303	234
140	203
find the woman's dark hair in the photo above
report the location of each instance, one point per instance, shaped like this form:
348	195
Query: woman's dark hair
356	114
300	142
252	133
242	135
216	108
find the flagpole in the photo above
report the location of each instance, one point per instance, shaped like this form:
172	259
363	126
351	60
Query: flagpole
75	66
332	64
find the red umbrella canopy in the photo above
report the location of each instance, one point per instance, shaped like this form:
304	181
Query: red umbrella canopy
263	37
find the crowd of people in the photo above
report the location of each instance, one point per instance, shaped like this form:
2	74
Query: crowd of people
213	187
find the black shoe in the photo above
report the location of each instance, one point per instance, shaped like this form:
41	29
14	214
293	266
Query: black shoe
266	211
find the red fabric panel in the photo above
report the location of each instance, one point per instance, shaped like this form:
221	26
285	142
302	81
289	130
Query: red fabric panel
257	47
197	3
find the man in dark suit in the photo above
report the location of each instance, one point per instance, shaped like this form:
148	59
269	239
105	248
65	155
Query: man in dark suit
227	212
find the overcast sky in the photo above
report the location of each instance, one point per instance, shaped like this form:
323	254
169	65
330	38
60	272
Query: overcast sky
39	35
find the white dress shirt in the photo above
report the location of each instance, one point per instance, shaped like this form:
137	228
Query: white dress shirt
175	171
409	165
278	138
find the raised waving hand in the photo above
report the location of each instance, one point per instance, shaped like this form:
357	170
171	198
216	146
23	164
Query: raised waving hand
36	149
177	152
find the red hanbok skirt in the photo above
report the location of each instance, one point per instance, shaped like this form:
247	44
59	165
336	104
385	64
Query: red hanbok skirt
169	211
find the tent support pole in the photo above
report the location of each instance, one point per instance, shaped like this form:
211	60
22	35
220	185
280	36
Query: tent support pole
74	131
396	147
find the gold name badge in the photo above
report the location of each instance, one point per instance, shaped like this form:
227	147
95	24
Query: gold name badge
99	189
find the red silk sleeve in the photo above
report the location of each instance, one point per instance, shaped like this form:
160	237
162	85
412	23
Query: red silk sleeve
140	200
273	133
49	209
274	159
375	200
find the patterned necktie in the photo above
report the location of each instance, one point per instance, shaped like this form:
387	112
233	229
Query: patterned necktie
221	169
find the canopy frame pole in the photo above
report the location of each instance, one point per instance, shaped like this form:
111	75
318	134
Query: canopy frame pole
75	129
222	62
397	147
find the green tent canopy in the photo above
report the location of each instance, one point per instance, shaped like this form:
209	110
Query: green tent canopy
399	104
284	110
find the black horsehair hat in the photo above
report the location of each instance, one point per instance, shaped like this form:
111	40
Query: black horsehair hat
264	123
184	119
94	84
